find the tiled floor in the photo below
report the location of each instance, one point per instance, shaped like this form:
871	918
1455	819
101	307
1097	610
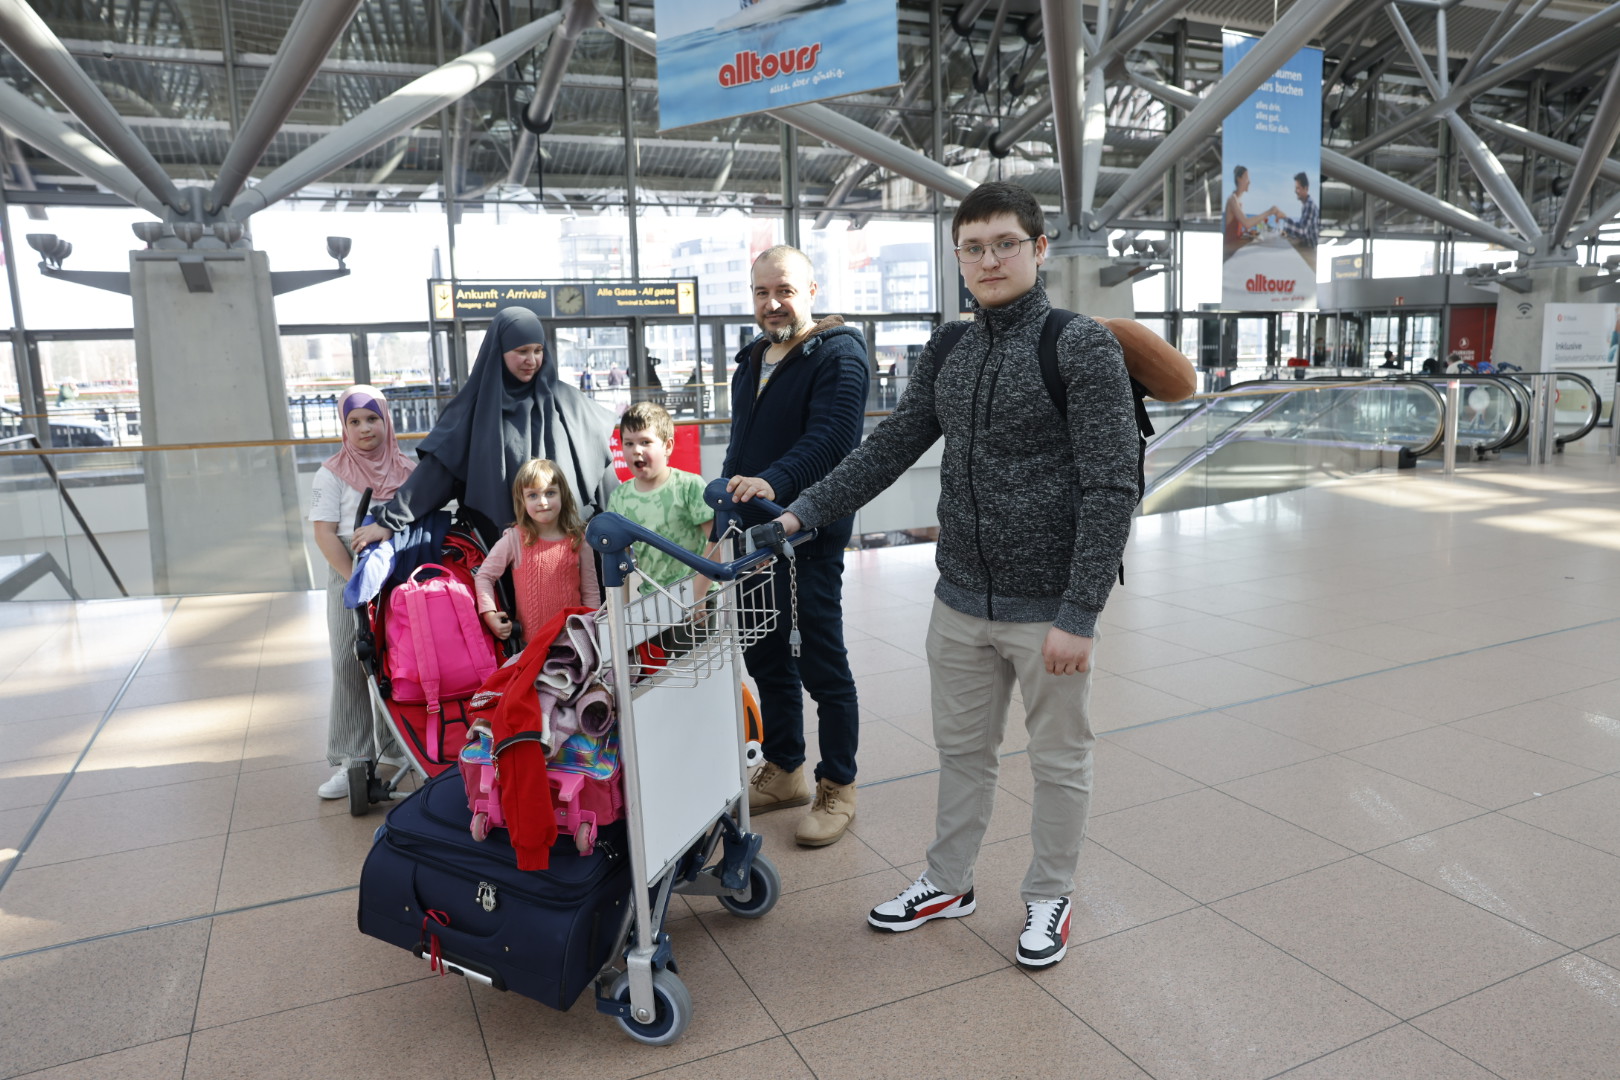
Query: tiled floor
1357	816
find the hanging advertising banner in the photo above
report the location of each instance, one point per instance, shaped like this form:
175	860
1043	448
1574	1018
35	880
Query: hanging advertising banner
1583	338
1271	164
725	58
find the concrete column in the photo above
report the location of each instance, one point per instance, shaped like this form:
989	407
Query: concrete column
1072	282
209	365
1520	316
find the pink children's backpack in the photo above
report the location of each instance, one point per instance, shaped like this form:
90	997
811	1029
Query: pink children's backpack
437	648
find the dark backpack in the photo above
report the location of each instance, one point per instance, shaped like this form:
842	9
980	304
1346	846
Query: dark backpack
1051	330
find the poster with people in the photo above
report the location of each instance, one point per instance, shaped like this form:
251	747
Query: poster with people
725	58
1271	162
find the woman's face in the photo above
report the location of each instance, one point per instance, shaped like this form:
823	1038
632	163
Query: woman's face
525	360
1243	183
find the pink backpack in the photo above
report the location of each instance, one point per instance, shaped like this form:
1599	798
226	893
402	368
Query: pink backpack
437	648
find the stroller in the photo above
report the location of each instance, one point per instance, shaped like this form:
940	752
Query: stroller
432	741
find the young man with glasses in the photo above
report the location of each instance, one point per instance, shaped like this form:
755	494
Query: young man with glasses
1034	511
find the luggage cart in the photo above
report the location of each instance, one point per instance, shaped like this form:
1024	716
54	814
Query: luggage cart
676	661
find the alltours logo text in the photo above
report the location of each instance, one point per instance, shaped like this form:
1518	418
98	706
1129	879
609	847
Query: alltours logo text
1263	284
752	67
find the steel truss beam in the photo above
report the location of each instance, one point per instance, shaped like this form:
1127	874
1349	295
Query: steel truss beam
580	16
40	128
1485	80
42	52
314	30
396	113
1608	169
1600	137
1138	31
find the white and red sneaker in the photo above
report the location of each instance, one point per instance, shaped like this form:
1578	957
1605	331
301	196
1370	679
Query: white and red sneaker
919	903
1046	933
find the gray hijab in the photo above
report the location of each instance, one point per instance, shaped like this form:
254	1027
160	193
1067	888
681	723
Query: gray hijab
497	422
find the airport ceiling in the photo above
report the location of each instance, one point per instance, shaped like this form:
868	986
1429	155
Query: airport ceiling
166	68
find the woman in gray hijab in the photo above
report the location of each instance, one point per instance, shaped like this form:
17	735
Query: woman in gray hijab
512	408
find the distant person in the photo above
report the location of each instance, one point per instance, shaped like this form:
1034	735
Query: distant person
1456	365
615	377
512	408
66	391
369	459
1432	366
586	383
1389	360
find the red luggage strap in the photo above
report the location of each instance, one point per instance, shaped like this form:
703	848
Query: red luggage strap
435	960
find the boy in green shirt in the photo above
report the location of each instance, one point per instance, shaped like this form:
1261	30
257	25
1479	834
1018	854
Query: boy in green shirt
667	500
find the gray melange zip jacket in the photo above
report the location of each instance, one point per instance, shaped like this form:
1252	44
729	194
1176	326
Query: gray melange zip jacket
1033	519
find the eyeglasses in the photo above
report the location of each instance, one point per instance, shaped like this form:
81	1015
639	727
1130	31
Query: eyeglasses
1002	249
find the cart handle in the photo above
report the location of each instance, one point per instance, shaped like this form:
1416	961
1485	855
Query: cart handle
612	534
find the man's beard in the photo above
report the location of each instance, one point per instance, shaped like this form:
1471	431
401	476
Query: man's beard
782	334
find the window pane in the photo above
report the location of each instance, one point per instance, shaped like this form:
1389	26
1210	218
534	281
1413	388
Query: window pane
101	240
90	392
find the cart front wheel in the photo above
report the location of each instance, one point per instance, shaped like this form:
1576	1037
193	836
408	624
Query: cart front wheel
672	1009
584	837
764	889
480	826
359	789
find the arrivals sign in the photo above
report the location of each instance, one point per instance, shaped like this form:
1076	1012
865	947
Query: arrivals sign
564	299
1271	165
724	58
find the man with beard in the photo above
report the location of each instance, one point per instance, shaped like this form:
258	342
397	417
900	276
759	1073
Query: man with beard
797	400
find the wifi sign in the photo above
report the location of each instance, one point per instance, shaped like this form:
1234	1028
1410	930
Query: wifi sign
1525	308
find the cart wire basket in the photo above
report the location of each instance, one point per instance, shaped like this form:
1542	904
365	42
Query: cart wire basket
681	639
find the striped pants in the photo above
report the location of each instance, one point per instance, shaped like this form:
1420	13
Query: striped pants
353	730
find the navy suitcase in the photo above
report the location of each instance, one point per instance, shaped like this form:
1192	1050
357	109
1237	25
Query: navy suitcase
544	934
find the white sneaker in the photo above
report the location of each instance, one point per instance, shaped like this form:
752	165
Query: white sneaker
919	903
337	787
1045	939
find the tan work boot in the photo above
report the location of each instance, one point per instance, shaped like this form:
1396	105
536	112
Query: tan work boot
832	814
774	788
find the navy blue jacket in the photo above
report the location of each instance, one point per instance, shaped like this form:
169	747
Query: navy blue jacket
806	421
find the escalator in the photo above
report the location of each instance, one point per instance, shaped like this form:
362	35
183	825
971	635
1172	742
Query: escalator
1269	436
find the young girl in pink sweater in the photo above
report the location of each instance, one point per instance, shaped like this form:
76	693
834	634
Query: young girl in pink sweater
552	568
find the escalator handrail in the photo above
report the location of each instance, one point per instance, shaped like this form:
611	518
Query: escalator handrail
1516	390
1516	393
1364	384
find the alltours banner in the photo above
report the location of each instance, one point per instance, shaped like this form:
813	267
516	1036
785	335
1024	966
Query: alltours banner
1271	166
724	58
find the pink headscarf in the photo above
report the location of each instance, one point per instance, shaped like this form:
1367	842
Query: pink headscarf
383	469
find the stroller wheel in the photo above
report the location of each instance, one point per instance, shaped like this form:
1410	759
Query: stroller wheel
359	788
480	826
585	837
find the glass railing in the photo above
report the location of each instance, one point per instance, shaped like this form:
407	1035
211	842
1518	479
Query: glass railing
104	522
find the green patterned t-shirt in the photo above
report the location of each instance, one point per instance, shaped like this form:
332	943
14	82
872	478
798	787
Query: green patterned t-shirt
674	509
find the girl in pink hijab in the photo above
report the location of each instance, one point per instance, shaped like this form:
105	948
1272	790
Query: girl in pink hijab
370	458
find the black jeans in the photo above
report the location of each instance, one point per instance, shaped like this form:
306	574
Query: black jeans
822	668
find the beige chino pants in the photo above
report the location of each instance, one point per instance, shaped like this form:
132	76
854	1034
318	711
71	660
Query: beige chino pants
972	665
